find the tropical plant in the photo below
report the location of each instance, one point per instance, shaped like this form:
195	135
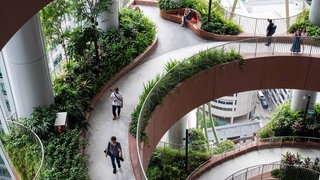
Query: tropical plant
53	17
217	24
24	152
168	4
313	30
288	158
73	89
168	163
41	121
223	146
195	64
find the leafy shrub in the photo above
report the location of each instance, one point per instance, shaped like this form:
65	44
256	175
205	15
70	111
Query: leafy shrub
195	64
41	121
73	90
223	146
168	163
312	30
168	4
24	153
63	159
276	173
198	140
290	122
217	24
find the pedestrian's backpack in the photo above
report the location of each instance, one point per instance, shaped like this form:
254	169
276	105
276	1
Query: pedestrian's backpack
273	29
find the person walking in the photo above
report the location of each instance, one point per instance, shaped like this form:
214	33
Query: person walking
117	103
295	48
270	31
115	152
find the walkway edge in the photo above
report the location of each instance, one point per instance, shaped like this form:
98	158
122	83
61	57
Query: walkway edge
216	160
114	79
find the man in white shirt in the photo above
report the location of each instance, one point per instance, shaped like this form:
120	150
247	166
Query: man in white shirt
117	103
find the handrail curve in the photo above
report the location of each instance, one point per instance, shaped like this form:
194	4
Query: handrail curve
39	141
249	24
261	167
271	143
252	47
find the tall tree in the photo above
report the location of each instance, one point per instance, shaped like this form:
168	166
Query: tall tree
87	12
53	20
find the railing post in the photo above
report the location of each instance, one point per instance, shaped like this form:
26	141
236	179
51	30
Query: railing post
308	141
255	52
239	46
274	44
246	174
255	28
262	172
270	141
310	50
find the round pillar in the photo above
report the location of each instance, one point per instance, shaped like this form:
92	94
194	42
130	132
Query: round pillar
176	133
25	59
108	20
300	100
314	15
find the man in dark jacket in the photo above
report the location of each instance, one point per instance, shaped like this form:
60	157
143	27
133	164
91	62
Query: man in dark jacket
269	32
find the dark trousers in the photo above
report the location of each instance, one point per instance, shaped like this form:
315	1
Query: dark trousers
114	108
112	160
269	37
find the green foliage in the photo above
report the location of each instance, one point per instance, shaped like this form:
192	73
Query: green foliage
312	30
73	89
52	19
24	153
41	121
198	140
195	64
276	173
223	146
85	10
295	167
288	123
168	163
217	24
63	159
168	4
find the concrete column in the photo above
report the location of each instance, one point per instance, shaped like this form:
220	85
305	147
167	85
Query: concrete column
299	100
177	132
314	15
108	20
25	60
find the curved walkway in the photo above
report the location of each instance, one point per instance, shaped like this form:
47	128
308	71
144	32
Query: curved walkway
175	42
263	156
102	127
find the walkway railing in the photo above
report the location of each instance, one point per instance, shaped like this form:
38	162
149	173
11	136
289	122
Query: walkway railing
258	26
263	172
253	47
271	142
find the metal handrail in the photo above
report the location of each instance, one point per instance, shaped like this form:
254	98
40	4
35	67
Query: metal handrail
277	164
269	140
237	19
254	47
39	141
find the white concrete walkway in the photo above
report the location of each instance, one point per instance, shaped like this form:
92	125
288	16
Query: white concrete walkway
264	156
102	127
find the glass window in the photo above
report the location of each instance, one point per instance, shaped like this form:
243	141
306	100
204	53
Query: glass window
3	89
8	106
